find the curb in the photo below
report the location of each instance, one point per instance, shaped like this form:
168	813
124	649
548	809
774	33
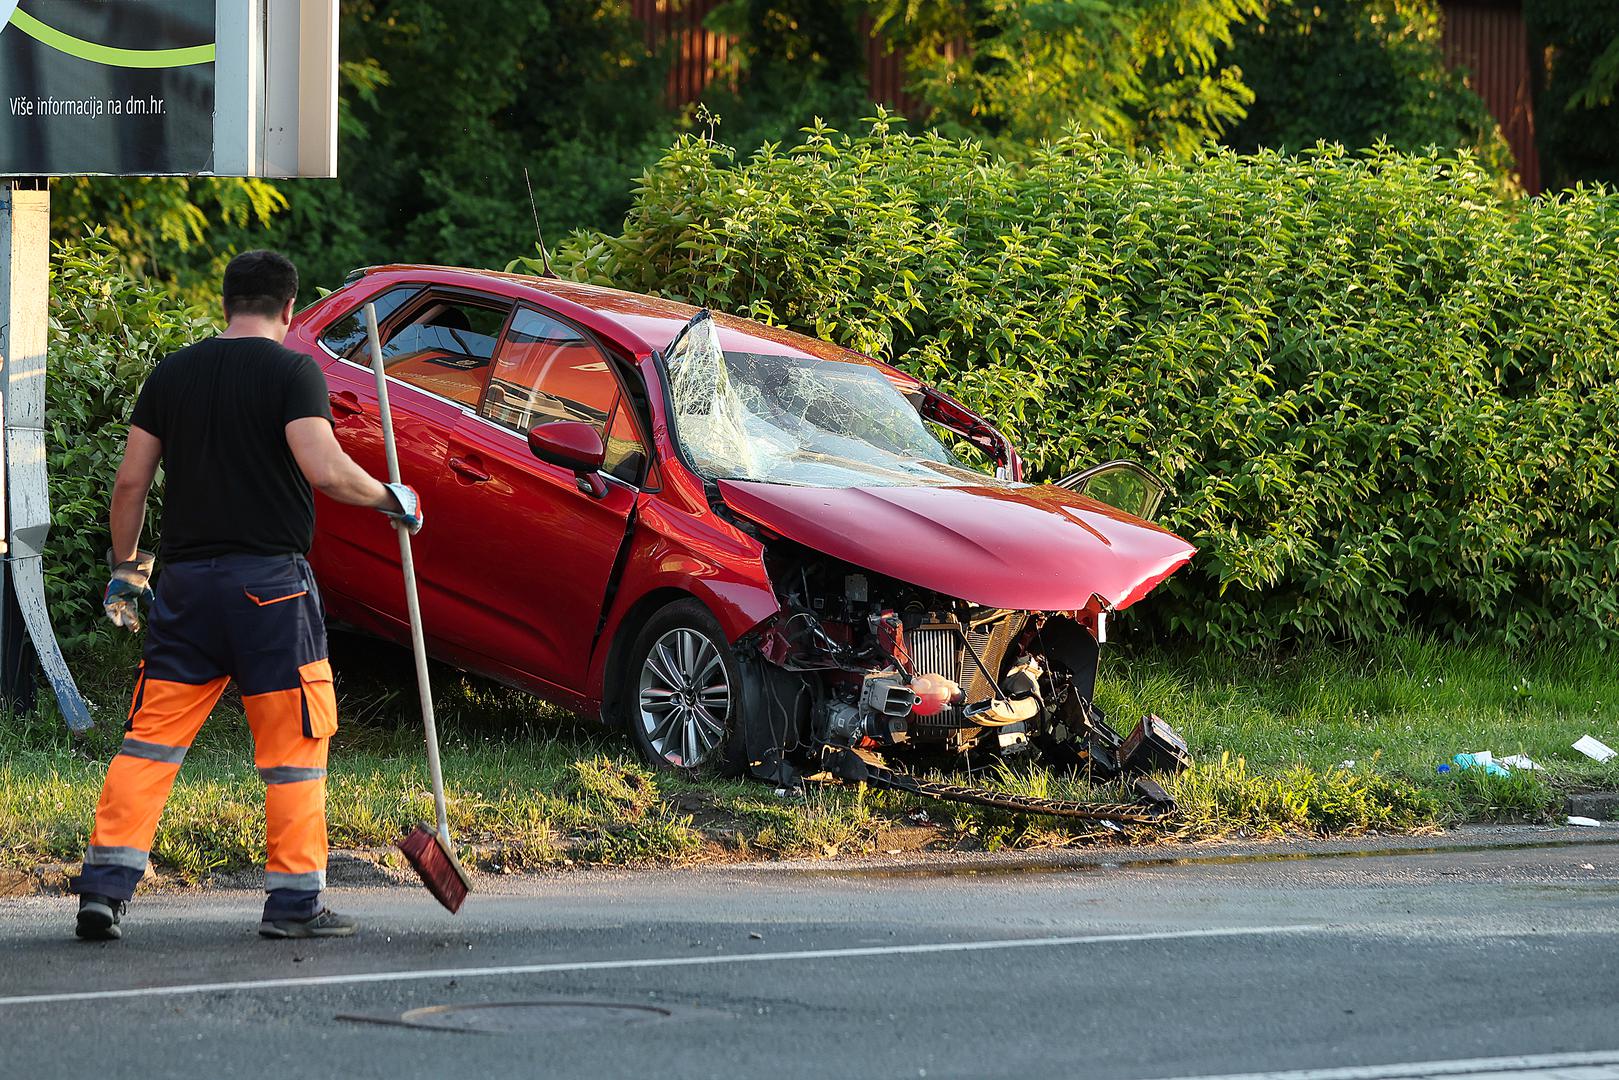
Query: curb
1601	805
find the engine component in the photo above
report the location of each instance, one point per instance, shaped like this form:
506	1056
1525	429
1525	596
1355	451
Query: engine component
854	588
941	648
1154	746
933	693
889	633
841	722
887	693
1012	739
1014	708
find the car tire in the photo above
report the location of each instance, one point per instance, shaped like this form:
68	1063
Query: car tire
682	691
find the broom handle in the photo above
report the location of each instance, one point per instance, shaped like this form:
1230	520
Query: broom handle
412	604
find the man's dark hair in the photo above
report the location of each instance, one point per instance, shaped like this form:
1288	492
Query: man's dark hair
259	283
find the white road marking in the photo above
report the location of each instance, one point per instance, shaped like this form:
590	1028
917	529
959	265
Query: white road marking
1590	1065
652	962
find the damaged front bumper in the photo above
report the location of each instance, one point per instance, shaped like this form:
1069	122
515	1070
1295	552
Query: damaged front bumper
858	675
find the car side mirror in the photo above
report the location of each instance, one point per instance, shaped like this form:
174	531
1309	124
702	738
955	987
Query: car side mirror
574	445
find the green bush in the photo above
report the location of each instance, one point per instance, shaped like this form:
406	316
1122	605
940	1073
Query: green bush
1383	395
107	329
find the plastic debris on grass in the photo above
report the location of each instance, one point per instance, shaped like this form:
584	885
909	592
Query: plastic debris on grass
1483	759
1594	749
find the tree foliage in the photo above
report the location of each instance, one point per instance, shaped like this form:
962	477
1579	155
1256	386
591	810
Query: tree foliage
447	104
1356	72
108	327
1138	72
1383	396
178	230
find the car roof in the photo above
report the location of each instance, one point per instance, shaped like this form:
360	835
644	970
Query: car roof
646	323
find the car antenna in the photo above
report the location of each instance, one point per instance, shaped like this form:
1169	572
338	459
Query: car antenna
545	256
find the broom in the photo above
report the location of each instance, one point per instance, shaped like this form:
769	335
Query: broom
429	852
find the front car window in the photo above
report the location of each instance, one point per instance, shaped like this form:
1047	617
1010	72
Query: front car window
798	420
550	370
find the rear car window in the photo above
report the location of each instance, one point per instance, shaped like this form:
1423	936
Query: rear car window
348	333
445	348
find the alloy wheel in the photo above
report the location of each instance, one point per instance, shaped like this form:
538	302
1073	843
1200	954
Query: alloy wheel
685	697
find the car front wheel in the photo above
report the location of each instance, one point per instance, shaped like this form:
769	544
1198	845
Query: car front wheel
685	686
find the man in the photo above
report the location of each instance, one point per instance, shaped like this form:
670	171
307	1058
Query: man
243	429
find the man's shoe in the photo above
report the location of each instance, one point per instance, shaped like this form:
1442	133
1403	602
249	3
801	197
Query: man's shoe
325	923
98	917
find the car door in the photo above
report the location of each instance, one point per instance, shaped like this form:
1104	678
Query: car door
436	346
1123	485
536	548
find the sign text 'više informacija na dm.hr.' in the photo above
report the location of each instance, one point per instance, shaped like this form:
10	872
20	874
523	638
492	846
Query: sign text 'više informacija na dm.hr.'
106	86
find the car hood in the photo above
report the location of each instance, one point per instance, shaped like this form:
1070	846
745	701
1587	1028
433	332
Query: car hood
1025	548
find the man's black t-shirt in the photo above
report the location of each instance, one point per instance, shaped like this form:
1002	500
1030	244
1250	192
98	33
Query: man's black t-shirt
220	408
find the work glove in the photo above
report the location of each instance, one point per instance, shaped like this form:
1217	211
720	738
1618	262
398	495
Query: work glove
128	585
409	513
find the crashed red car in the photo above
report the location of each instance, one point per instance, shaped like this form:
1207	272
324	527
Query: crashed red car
743	546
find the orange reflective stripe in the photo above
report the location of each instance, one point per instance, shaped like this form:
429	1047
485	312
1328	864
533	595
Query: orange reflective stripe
172	713
274	599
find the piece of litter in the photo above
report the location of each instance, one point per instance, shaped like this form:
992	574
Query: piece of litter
1593	749
1521	761
1589	823
1586	866
754	935
1483	761
1349	764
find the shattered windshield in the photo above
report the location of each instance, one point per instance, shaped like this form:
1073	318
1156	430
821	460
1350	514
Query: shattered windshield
796	420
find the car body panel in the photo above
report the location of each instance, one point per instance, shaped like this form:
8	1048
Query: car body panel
1022	548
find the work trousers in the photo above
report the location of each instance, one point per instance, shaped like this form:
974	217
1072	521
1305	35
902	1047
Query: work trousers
258	619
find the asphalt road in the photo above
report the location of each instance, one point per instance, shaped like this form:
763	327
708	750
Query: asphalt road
1101	968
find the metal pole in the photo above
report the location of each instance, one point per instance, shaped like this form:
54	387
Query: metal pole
25	231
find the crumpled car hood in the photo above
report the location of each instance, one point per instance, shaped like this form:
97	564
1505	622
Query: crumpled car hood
1024	548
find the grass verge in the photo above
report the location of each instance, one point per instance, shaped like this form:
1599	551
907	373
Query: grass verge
1326	742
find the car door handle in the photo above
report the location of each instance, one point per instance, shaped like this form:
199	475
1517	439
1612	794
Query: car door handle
345	404
462	467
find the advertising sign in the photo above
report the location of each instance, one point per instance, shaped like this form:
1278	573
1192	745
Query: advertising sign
106	86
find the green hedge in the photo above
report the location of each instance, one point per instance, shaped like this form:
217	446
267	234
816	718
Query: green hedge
108	327
1383	396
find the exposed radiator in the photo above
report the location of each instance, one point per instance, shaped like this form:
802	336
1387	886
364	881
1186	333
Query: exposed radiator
937	648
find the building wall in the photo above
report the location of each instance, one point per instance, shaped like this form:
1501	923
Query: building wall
1489	40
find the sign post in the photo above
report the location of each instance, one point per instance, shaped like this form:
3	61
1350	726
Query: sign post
125	88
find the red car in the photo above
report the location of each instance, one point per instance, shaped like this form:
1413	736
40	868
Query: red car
744	546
